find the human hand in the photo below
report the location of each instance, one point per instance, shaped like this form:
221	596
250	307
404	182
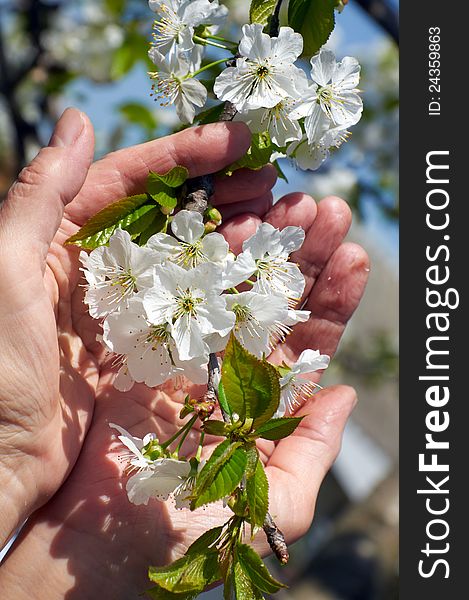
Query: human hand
90	534
50	360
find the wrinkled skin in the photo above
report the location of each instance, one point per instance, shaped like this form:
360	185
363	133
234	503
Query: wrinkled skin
56	448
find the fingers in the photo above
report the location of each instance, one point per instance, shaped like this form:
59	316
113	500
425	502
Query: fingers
332	301
245	184
238	229
331	225
257	206
202	150
299	463
293	209
34	207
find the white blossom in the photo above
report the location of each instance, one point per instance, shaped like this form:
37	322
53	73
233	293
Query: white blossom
135	459
270	248
265	73
190	302
259	320
310	156
191	246
147	350
332	100
174	30
115	272
295	386
278	121
174	83
164	477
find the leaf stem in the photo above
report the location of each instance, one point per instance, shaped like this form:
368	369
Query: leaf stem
184	428
206	42
209	66
185	434
201	443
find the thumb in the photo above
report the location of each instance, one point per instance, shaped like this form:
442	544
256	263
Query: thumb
33	209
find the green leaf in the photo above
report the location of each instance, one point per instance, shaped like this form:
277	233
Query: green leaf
123	213
276	429
210	115
251	385
205	541
261	10
191	573
159	593
280	171
158	225
209	471
122	61
164	188
174	178
222	401
132	50
147	213
244	588
256	157
257	492
138	114
256	571
213	427
225	479
314	19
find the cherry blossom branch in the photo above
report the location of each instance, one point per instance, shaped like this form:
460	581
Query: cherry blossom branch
276	540
211	395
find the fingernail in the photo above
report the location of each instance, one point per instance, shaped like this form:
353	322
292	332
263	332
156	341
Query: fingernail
68	129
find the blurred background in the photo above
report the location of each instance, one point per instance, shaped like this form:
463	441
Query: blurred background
92	54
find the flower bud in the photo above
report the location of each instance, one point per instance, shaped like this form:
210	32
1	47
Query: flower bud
213	214
210	227
166	210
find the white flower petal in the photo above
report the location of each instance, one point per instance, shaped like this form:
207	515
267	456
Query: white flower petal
288	46
291	238
215	247
323	66
347	73
123	381
188	226
255	44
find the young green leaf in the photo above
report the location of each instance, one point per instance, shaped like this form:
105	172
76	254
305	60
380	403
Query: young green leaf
211	115
164	189
123	213
257	493
251	385
174	178
257	156
191	573
280	171
256	571
159	593
206	541
213	427
276	429
226	478
222	401
159	224
261	10
219	457
314	19
244	588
